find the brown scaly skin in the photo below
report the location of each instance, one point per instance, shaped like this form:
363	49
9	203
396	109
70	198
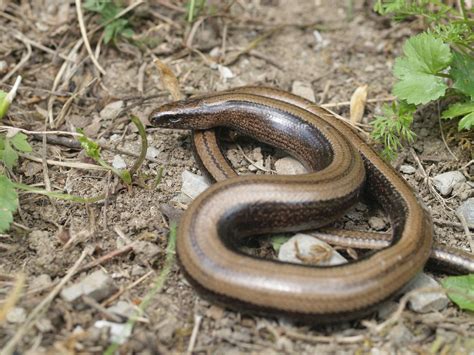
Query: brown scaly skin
252	205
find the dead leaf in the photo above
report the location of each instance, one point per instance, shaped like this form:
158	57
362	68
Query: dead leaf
358	101
169	80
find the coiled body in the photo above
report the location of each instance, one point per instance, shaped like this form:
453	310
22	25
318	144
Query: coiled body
341	164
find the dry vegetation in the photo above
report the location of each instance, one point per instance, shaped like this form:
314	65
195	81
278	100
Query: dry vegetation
69	83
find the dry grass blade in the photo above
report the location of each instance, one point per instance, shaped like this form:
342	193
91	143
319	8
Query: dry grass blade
169	80
358	101
13	297
82	26
42	306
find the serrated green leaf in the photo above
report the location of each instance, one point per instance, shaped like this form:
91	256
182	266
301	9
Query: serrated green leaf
461	290
467	122
8	203
9	156
419	88
20	142
424	57
462	71
458	109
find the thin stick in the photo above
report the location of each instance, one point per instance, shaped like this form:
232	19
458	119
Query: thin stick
347	103
112	298
73	164
42	306
192	341
82	26
442	135
107	257
466	230
20	64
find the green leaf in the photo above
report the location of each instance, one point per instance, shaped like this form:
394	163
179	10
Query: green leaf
277	241
126	177
462	71
20	142
8	155
460	290
109	33
458	109
8	203
92	148
424	57
4	103
467	122
465	109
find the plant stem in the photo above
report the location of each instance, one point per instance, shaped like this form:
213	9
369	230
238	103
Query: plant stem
141	131
58	195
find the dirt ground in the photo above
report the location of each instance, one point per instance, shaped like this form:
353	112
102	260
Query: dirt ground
323	44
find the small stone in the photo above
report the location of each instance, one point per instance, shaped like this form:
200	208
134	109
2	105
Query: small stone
97	285
215	312
193	184
407	169
119	332
369	68
137	270
257	154
147	249
119	163
44	325
303	89
400	335
152	152
166	333
424	132
467	210
289	166
252	168
122	309
40	282
32	169
3	66
303	248
16	315
377	223
111	111
234	157
425	302
225	72
445	182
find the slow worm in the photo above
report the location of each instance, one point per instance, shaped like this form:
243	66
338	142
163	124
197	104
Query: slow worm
215	166
341	164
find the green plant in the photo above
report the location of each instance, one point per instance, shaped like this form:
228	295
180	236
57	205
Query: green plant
194	8
436	64
460	290
108	10
14	142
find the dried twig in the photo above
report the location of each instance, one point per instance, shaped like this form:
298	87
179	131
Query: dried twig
22	62
43	306
347	103
107	257
192	341
82	26
71	164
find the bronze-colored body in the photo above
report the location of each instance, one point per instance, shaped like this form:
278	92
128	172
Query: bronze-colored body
215	166
242	206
